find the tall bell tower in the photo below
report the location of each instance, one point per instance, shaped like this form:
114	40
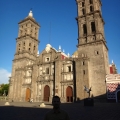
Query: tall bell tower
25	55
92	49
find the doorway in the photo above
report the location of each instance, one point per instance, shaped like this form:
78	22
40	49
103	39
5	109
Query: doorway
46	93
69	94
28	95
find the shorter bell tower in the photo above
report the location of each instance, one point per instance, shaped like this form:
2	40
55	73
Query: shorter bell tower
27	41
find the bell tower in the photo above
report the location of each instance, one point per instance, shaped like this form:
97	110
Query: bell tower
25	56
90	21
92	48
27	41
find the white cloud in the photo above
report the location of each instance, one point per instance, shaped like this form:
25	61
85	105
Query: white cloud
4	76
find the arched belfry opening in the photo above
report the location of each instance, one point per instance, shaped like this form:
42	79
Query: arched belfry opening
84	29
69	94
28	94
93	29
46	93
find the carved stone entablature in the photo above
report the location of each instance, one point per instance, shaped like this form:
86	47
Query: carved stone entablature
19	69
66	72
44	81
19	38
26	84
67	82
81	59
27	77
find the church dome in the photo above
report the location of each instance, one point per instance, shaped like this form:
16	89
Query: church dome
75	54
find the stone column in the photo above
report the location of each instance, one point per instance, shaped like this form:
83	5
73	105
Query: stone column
37	92
51	91
42	92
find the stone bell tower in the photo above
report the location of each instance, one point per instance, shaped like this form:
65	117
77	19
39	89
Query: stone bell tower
26	53
92	64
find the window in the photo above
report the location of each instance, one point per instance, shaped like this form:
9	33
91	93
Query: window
96	52
29	49
91	9
47	59
69	68
91	1
84	29
93	27
83	63
83	4
47	70
83	72
29	44
83	11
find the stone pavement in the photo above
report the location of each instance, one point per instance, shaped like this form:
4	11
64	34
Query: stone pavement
76	111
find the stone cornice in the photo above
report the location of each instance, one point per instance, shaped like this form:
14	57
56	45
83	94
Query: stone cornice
91	13
25	36
25	51
29	18
67	72
94	42
23	58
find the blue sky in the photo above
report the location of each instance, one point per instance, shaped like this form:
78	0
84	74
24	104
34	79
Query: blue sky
58	24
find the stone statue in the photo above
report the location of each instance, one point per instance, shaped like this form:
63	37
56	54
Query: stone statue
87	90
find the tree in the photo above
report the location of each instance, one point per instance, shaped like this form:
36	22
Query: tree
4	89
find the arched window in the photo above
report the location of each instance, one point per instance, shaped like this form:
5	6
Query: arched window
83	4
91	9
83	11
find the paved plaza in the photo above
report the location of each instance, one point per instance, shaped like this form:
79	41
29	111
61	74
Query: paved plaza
76	111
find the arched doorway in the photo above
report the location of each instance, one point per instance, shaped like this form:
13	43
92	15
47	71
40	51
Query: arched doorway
46	93
28	94
118	96
69	94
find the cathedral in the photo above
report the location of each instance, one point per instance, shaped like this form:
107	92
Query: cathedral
52	72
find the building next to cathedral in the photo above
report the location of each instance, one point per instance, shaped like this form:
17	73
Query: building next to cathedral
52	72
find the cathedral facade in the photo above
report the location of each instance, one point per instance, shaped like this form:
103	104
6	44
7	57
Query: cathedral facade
52	72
